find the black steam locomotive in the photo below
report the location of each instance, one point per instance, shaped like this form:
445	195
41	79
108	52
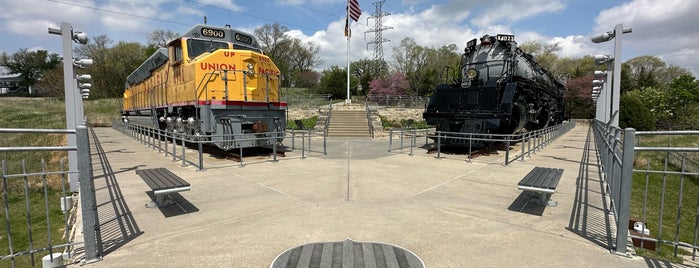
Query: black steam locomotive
499	90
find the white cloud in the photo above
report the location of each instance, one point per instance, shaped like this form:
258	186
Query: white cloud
666	29
512	11
24	18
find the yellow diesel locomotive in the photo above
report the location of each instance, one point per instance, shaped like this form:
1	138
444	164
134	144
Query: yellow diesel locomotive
213	83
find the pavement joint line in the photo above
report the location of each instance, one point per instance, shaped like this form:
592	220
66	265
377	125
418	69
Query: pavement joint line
268	187
445	182
217	223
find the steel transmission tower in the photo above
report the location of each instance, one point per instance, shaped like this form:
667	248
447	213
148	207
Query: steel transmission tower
377	30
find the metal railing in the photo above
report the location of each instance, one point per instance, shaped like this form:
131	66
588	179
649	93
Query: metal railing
50	179
167	142
648	183
529	142
397	100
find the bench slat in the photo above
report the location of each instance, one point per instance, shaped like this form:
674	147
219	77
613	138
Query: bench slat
161	179
543	178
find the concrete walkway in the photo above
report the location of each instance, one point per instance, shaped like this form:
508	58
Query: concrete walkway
449	212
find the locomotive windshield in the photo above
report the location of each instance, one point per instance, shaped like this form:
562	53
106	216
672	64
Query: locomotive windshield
198	47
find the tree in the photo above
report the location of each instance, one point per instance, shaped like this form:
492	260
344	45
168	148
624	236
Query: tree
51	84
97	50
121	60
291	55
160	38
684	90
307	79
579	97
111	65
334	82
422	65
367	70
394	84
303	56
29	64
655	100
627	82
545	54
634	114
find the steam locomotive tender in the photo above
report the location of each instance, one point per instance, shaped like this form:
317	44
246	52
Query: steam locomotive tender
213	83
499	90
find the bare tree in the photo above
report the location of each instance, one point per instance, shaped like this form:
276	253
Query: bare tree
160	38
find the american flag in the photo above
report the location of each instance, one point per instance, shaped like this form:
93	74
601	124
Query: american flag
348	31
354	10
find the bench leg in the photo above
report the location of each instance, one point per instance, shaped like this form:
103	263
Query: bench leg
543	200
160	201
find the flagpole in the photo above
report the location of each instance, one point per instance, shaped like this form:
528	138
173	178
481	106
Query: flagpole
349	34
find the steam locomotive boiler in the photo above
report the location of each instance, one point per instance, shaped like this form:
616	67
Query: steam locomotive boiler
213	83
499	90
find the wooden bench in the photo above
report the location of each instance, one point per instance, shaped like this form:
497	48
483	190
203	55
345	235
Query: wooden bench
543	181
162	182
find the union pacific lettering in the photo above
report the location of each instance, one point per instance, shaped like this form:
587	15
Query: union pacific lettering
205	66
261	70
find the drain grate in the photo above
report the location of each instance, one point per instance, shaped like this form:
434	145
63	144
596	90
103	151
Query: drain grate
346	254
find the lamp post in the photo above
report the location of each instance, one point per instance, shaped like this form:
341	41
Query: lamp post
616	77
74	108
624	199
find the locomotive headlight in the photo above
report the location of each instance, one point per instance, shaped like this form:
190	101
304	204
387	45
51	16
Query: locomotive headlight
251	68
471	73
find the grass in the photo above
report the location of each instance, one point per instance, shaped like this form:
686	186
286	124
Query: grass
680	202
308	123
38	113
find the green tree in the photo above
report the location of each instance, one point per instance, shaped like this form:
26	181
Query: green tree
684	100
367	70
656	102
121	60
627	82
684	90
334	82
29	64
634	114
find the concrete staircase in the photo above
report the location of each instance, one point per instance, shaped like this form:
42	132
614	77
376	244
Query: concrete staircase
348	123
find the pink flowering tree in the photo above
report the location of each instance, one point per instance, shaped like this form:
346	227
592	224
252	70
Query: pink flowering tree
394	84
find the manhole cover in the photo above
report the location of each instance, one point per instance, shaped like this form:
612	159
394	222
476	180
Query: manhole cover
348	253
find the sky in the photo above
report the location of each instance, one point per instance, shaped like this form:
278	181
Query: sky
668	29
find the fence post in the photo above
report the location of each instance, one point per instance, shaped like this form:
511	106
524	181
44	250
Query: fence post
625	191
87	195
184	164
201	157
390	140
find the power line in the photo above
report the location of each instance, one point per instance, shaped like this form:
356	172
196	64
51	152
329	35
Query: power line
184	24
118	12
250	15
312	9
